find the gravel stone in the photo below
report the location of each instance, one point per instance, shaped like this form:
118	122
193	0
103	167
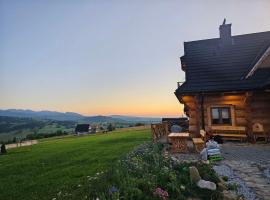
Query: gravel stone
223	170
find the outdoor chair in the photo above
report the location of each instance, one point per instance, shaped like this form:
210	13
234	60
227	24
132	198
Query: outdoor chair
258	132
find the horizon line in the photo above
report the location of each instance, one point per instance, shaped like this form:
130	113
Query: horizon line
100	114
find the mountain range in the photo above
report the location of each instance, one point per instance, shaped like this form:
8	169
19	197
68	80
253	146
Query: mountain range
71	116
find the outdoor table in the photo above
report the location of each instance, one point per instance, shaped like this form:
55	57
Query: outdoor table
179	142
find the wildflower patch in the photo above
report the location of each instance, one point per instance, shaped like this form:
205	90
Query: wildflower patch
146	174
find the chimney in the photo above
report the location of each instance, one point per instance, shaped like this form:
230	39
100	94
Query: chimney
225	33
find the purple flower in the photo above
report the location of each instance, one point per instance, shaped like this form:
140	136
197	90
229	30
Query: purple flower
113	189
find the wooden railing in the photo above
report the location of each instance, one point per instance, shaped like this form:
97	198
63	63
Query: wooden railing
160	130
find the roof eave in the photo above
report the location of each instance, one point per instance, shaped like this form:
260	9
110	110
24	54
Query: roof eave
258	63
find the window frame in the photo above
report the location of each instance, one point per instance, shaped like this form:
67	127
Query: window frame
231	113
220	118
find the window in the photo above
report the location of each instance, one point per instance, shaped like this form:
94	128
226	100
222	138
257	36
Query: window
221	116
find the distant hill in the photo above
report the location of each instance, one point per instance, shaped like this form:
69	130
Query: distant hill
20	123
136	119
103	119
71	116
20	127
67	116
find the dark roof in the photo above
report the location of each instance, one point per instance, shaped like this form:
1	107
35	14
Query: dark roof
82	128
211	67
267	83
179	119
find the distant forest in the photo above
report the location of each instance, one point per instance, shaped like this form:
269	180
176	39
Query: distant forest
9	124
14	129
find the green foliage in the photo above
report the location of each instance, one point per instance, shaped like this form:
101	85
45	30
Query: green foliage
233	186
225	178
144	170
19	128
110	127
3	149
9	124
59	167
40	136
139	124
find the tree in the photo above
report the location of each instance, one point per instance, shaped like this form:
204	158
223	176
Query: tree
3	149
14	140
59	132
110	127
139	124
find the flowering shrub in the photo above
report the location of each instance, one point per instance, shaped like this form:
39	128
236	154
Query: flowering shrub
114	193
161	193
146	174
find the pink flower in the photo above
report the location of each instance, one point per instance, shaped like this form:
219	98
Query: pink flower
163	194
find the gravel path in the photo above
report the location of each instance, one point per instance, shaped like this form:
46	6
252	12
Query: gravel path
243	189
250	163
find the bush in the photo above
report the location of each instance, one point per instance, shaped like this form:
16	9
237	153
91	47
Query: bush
225	178
139	124
233	186
110	127
3	149
146	174
46	135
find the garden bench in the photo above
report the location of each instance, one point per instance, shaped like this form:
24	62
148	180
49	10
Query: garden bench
230	132
199	143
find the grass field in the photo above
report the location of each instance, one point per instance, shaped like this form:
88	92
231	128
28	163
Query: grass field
62	165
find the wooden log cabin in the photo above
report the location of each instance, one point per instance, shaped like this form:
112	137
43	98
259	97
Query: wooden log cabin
227	86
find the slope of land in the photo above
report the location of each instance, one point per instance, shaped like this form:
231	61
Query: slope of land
17	127
62	165
17	124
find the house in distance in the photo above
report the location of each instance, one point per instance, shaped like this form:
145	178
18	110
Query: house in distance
227	86
82	129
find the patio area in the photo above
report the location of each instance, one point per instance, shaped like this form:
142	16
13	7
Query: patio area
251	164
245	164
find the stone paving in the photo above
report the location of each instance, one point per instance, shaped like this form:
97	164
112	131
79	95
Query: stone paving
251	163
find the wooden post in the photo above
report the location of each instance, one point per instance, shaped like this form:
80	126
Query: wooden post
153	133
166	130
247	101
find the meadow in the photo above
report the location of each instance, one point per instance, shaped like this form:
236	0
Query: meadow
59	168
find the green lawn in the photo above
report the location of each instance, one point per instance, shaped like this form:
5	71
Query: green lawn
62	165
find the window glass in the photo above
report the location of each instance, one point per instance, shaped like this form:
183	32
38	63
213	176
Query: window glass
215	114
225	113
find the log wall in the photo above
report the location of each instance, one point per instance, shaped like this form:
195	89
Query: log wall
260	110
194	114
236	102
247	108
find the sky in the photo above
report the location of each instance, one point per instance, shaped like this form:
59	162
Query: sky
108	57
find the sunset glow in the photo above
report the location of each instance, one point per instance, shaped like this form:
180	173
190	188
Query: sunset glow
103	58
